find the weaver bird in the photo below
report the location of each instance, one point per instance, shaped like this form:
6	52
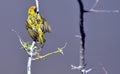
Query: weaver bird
36	26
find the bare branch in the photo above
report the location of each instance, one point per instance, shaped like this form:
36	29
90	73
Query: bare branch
39	57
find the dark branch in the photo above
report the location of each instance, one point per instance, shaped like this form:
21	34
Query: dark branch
82	32
82	11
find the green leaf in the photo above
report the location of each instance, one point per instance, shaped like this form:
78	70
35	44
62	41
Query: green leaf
26	45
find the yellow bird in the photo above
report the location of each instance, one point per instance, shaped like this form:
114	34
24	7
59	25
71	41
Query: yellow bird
36	26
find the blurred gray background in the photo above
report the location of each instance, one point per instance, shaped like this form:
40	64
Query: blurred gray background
102	41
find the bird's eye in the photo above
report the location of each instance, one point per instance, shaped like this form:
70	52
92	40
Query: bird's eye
35	10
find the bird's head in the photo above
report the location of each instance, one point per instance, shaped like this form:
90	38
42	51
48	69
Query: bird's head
32	10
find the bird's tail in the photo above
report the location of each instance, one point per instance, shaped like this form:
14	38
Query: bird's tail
41	39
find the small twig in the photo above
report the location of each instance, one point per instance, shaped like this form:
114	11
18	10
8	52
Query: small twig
64	46
78	36
104	69
95	4
59	50
104	11
16	33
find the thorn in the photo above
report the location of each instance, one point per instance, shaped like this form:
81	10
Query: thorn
78	36
88	70
75	67
16	33
64	45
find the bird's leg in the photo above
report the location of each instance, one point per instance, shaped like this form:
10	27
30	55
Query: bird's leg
42	45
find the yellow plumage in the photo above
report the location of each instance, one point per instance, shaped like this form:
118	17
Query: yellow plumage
36	26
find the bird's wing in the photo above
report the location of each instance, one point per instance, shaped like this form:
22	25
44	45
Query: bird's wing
45	26
33	33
